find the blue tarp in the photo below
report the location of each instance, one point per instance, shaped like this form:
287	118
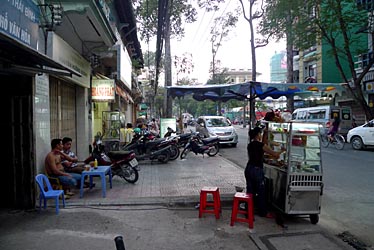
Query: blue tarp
262	90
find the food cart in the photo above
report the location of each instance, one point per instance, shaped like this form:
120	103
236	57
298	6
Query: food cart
112	123
294	180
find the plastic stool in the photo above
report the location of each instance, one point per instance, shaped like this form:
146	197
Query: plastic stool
213	207
238	198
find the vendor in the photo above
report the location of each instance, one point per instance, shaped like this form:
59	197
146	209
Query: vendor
254	171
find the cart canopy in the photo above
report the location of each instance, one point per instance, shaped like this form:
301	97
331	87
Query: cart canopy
262	90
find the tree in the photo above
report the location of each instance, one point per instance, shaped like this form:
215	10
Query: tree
340	20
278	22
335	23
254	13
177	13
172	16
221	29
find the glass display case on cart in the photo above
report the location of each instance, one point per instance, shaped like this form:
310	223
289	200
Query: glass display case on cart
112	123
294	180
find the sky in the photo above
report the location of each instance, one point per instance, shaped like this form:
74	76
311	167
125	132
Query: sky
234	53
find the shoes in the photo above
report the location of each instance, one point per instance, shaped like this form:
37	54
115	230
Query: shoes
69	193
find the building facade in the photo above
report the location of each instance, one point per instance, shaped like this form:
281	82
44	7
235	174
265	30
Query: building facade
47	61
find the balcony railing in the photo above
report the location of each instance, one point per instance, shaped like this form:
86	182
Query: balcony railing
365	4
363	60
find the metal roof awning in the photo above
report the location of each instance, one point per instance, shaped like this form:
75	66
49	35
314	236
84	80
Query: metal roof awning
16	57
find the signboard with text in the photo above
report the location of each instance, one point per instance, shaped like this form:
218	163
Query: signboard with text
103	90
165	123
20	21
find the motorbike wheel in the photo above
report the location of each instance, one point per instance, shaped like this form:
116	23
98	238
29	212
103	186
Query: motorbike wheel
174	152
185	153
129	174
164	157
214	150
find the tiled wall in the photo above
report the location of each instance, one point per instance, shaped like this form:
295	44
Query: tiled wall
41	121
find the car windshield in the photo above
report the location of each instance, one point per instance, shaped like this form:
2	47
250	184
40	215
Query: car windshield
216	122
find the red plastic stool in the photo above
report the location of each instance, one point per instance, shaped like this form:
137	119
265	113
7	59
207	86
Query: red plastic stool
213	207
238	198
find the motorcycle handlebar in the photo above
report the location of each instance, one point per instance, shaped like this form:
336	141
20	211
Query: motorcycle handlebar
119	243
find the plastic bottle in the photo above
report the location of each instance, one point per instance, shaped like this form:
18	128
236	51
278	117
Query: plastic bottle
95	163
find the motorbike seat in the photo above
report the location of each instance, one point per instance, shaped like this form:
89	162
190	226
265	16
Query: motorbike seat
185	136
119	154
210	139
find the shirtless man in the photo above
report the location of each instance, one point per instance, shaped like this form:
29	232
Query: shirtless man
54	168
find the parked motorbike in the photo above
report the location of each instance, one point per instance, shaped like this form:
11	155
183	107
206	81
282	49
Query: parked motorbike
182	138
198	145
149	149
123	163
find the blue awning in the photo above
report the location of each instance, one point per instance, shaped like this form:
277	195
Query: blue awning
262	90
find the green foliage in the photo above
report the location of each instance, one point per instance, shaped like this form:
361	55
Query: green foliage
181	11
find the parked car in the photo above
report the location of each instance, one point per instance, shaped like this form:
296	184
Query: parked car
217	126
362	136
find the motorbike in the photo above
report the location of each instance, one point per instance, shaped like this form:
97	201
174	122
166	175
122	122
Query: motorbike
199	145
123	163
182	138
149	148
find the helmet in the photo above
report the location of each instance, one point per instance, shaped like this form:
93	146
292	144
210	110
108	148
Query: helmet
137	130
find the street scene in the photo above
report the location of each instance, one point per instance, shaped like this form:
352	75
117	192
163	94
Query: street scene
157	124
160	210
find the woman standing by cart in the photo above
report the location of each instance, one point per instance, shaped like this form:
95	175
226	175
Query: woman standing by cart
254	171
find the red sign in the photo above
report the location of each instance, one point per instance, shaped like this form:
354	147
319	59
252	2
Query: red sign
103	90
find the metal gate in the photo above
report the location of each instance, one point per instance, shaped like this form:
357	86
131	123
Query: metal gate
63	110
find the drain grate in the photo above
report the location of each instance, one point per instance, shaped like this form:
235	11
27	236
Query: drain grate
352	240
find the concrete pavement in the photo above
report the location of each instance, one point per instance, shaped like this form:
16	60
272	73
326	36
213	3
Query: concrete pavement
158	212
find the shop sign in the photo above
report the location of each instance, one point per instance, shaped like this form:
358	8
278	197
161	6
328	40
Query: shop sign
63	53
167	122
124	66
20	21
369	87
103	90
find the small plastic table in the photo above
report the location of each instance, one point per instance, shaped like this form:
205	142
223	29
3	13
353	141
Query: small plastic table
101	171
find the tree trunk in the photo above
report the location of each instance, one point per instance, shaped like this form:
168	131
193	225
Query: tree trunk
252	110
290	100
168	66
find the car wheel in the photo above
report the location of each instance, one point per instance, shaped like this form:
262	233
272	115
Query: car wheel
234	145
357	143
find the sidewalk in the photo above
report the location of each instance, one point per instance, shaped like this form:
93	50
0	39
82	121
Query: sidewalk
158	212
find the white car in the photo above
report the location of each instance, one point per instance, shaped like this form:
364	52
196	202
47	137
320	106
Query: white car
361	136
217	126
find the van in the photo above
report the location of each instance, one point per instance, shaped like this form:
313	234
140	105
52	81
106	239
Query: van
325	116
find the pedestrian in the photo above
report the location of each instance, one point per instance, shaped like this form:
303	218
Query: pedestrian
185	121
254	171
354	124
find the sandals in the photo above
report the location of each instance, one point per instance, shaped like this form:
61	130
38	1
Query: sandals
87	185
67	197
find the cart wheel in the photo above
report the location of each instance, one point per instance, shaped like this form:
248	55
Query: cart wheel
314	218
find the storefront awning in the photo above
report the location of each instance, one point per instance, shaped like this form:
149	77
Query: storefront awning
262	90
19	58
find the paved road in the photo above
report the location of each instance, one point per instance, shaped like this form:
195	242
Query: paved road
348	200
